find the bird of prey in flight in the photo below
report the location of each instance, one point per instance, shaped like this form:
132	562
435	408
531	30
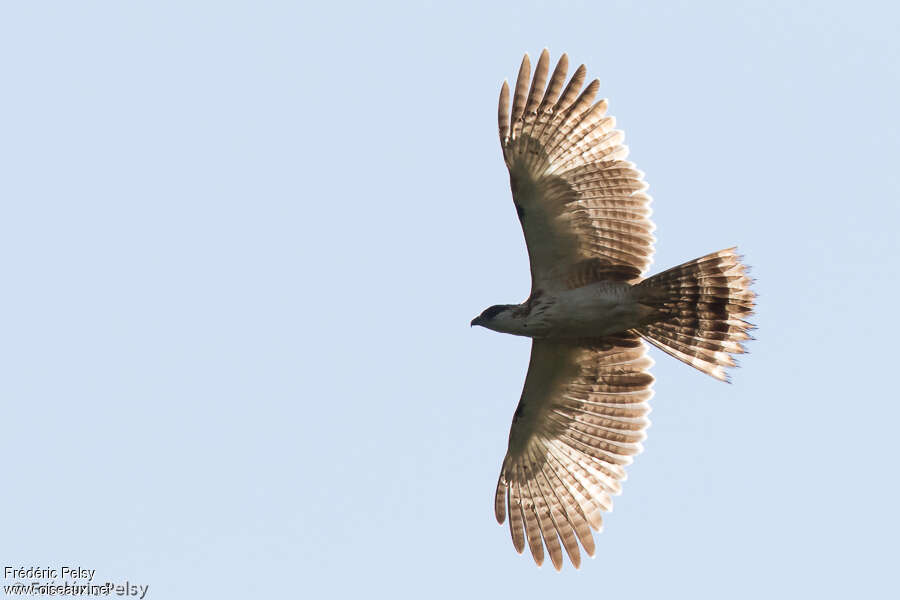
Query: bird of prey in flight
586	219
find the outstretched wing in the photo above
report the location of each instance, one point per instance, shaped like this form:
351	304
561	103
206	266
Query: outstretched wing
580	420
580	203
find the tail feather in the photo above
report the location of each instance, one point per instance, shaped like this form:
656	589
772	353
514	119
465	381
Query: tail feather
699	311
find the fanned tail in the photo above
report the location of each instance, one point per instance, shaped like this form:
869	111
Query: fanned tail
701	306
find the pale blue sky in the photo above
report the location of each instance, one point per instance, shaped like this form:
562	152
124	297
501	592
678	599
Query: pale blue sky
242	242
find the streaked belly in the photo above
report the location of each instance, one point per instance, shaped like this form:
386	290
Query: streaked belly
595	310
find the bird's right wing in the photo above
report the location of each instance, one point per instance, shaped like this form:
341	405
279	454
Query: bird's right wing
580	420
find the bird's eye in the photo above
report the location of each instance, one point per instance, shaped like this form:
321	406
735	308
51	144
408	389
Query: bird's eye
492	312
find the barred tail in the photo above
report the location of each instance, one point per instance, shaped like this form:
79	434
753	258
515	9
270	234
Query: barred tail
701	306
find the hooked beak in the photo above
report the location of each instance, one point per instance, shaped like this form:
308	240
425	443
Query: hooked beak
475	321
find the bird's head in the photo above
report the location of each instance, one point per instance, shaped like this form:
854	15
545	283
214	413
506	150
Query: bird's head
498	317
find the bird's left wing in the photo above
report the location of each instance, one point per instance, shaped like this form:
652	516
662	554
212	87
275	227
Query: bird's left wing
581	204
580	420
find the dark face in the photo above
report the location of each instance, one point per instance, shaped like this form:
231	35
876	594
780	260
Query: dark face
489	313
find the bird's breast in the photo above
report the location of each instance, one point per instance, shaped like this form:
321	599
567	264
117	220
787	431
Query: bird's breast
594	310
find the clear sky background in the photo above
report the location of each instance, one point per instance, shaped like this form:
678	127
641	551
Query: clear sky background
241	244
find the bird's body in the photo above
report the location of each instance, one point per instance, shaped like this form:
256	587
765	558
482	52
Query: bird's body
585	216
594	310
